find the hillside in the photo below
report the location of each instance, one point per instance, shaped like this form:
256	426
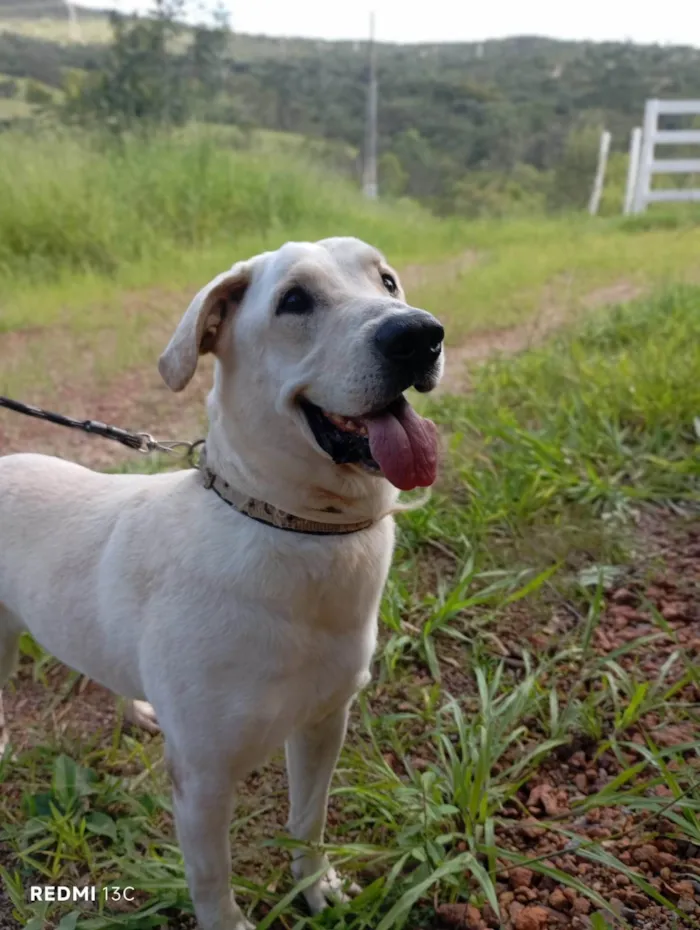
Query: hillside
32	9
445	110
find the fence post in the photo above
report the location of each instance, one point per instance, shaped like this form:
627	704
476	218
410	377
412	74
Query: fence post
643	185
632	169
597	192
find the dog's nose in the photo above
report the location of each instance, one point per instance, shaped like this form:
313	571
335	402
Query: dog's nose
410	339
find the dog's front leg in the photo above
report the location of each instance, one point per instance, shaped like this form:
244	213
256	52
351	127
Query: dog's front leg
203	799
312	755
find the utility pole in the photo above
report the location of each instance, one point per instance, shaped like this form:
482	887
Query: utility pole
369	175
73	24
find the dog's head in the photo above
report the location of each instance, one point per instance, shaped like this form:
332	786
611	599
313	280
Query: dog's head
315	343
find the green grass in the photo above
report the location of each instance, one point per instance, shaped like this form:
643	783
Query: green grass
93	29
551	458
549	267
81	222
78	218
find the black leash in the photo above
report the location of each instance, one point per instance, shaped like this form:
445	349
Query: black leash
139	442
145	443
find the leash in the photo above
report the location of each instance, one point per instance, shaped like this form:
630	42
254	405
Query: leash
139	442
250	507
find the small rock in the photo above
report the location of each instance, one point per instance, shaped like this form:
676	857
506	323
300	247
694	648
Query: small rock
531	918
546	796
646	853
520	877
530	828
558	900
582	906
672	610
453	915
581	782
623	615
624	596
526	894
637	899
473	918
684	889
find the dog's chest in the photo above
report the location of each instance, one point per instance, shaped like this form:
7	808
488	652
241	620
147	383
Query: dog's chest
322	606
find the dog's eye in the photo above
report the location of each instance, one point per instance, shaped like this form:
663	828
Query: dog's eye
296	300
389	283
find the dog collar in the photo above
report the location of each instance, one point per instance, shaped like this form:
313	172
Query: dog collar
263	512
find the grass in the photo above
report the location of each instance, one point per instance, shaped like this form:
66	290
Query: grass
549	267
93	29
78	206
88	229
552	458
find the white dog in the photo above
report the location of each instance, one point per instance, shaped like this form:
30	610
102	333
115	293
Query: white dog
240	599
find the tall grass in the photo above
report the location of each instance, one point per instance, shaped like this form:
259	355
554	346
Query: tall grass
80	204
604	416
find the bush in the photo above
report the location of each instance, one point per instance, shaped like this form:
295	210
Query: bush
92	203
573	176
37	95
488	193
8	89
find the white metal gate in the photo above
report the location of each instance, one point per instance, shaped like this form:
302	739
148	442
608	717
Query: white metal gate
639	184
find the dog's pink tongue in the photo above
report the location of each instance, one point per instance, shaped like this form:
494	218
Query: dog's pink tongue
404	445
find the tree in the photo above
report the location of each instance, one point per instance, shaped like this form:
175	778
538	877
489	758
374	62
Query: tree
36	94
573	176
144	82
392	176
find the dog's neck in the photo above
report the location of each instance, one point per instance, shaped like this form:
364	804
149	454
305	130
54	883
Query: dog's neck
293	478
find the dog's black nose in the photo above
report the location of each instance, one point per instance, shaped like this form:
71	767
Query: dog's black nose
413	339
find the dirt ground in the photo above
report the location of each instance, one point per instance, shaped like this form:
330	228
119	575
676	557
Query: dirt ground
540	821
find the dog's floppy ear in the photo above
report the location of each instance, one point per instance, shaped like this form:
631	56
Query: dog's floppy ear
198	330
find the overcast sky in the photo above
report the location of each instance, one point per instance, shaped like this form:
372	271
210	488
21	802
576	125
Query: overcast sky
676	21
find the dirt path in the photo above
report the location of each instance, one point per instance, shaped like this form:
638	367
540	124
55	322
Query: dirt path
137	399
482	345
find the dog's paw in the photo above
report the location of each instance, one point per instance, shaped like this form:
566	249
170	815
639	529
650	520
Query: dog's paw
141	714
331	889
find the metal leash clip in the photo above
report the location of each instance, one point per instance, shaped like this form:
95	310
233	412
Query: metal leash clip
149	444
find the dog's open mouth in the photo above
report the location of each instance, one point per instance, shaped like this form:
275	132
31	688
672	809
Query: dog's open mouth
395	441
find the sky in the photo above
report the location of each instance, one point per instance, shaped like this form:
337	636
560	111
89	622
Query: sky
674	21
